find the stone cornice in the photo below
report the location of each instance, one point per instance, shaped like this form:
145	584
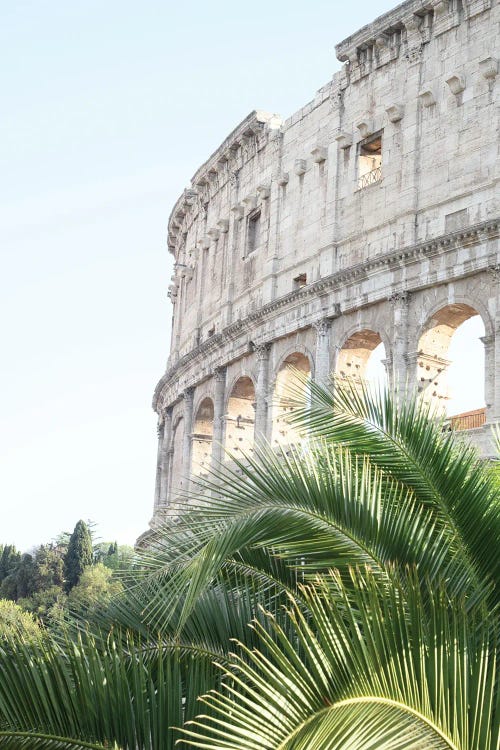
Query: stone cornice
389	261
372	31
376	35
253	124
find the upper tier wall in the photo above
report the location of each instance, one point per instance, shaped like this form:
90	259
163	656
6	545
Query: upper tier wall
281	206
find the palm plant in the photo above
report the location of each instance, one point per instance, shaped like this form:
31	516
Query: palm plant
382	534
373	664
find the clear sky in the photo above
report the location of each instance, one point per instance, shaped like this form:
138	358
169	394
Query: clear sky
108	108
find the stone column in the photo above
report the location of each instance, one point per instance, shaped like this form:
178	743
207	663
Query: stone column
168	479
188	429
219	401
322	364
261	391
161	440
492	352
491	378
232	242
400	378
165	459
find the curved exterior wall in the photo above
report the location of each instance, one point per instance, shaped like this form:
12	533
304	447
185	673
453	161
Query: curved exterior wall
284	247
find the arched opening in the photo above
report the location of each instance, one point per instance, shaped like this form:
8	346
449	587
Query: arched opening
176	468
362	359
240	417
451	367
288	390
201	440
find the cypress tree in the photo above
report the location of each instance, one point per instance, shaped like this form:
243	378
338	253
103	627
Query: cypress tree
79	555
9	561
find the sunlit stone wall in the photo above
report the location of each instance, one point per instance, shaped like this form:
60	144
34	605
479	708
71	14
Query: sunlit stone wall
364	226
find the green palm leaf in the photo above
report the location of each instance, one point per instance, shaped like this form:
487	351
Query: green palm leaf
407	442
311	510
368	668
128	695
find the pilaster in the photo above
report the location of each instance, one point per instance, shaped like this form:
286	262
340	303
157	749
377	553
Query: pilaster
219	377
400	379
322	359
165	459
188	429
159	457
261	391
232	241
492	354
490	376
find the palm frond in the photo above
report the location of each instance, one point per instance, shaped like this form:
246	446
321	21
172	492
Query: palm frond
366	669
310	509
405	440
127	695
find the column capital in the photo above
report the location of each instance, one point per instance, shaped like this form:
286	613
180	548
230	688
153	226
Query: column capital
219	374
322	326
401	297
262	351
494	271
166	413
188	393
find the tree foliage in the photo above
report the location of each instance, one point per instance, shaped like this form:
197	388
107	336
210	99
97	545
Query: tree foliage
94	591
16	623
79	554
9	560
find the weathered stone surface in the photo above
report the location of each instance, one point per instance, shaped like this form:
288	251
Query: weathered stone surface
300	254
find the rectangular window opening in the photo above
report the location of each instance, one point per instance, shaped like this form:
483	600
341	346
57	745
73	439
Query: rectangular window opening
300	281
370	161
253	231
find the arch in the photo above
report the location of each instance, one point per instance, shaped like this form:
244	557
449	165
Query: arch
450	367
458	299
240	416
231	383
364	324
290	352
288	389
361	357
201	438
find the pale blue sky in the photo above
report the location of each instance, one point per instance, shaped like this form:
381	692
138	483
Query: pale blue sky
108	108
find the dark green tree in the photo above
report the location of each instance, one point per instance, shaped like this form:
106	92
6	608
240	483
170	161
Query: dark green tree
9	560
49	563
79	555
25	577
120	557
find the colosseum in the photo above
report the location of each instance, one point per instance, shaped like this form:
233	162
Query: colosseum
358	234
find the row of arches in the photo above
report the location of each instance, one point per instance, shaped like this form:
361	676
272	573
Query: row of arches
448	363
239	419
449	366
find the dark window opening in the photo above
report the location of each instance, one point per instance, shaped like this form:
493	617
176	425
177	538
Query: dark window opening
253	232
300	281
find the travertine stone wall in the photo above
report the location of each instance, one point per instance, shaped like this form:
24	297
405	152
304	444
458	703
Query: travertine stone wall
284	246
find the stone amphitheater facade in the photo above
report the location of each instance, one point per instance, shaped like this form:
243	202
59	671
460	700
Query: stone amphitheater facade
369	217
